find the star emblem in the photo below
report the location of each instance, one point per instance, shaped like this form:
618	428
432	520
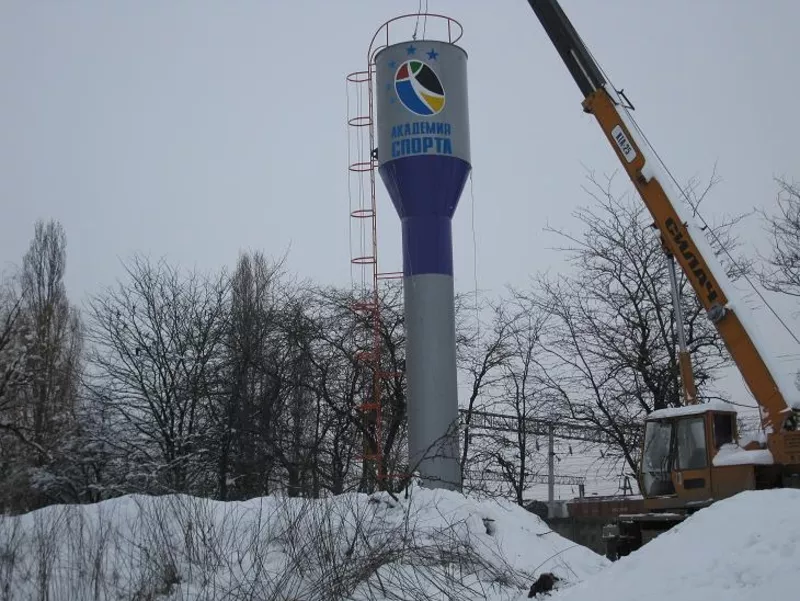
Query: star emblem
392	64
411	50
432	54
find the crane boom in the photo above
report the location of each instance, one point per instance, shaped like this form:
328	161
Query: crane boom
682	238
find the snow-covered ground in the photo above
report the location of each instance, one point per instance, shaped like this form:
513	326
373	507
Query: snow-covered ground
433	545
739	549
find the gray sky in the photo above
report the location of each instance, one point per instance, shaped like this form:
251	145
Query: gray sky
193	129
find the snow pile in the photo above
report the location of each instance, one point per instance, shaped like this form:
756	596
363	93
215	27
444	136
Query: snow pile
731	454
739	549
433	545
696	409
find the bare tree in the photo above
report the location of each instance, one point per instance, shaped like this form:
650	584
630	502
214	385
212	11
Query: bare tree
351	342
393	381
525	395
506	379
287	422
155	364
340	383
300	431
16	442
783	271
611	342
14	350
483	353
55	336
246	418
40	363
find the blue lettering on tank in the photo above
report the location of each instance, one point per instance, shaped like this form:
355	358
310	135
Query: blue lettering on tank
421	145
421	137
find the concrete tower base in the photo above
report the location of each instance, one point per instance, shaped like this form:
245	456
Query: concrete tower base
432	380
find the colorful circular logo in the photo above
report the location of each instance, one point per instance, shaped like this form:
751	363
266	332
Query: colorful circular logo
419	88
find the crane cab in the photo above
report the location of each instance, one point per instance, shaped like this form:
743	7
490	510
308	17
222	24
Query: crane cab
691	457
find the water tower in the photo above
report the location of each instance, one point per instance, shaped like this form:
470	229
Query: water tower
418	111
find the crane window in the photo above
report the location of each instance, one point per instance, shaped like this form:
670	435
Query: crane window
723	429
656	464
691	441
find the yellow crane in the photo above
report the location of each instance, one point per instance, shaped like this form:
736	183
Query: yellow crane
690	455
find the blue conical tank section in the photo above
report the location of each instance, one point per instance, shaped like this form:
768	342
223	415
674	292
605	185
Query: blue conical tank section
425	191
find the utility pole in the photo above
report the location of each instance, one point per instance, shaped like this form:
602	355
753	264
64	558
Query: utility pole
551	455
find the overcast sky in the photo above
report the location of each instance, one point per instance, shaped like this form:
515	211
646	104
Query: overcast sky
194	129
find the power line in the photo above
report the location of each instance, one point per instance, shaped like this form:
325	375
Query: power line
485	420
491	475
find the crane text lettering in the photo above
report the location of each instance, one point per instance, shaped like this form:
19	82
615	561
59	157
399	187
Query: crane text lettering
691	258
623	143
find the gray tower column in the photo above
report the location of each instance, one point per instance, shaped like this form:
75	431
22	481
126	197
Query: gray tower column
432	379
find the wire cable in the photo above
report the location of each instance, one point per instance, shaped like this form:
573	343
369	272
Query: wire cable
416	24
711	231
474	251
